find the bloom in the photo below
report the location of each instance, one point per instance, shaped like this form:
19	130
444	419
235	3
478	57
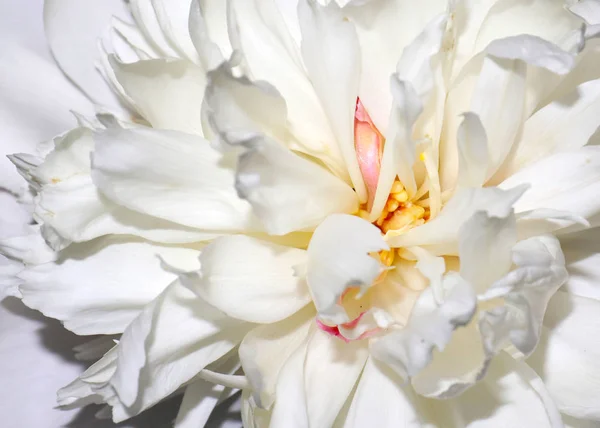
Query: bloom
367	195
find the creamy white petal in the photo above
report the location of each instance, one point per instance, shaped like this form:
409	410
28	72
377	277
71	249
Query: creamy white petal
472	152
582	263
173	17
414	64
209	54
288	192
101	286
331	53
431	325
541	221
266	349
534	51
72	29
9	281
399	152
565	124
440	235
25	243
331	369
147	20
167	93
239	108
290	404
506	397
70	204
384	29
540	271
170	175
338	258
251	280
588	10
484	248
382	400
512	18
175	337
567	356
565	181
272	55
252	415
199	402
498	100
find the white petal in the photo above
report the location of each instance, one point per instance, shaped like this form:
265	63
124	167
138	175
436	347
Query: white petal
70	204
273	56
252	415
209	54
506	397
381	400
332	368
72	29
534	51
167	93
588	10
9	281
290	404
498	100
567	357
239	108
399	152
440	235
540	271
582	263
265	350
472	152
564	124
170	175
484	248
431	324
331	53
173	16
101	286
512	18
564	181
384	29
338	258
187	335
251	280
147	20
200	400
26	244
288	192
414	64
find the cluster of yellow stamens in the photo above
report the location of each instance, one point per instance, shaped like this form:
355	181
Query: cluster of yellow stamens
399	212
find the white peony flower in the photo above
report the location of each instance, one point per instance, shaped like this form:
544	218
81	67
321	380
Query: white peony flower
348	211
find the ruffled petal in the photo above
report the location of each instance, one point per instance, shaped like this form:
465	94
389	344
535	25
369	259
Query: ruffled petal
472	152
565	181
167	93
432	322
288	192
567	356
175	337
251	280
173	17
441	234
266	349
173	176
331	54
338	258
563	125
101	286
583	262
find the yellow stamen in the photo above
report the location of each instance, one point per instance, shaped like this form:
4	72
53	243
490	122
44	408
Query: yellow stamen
400	196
